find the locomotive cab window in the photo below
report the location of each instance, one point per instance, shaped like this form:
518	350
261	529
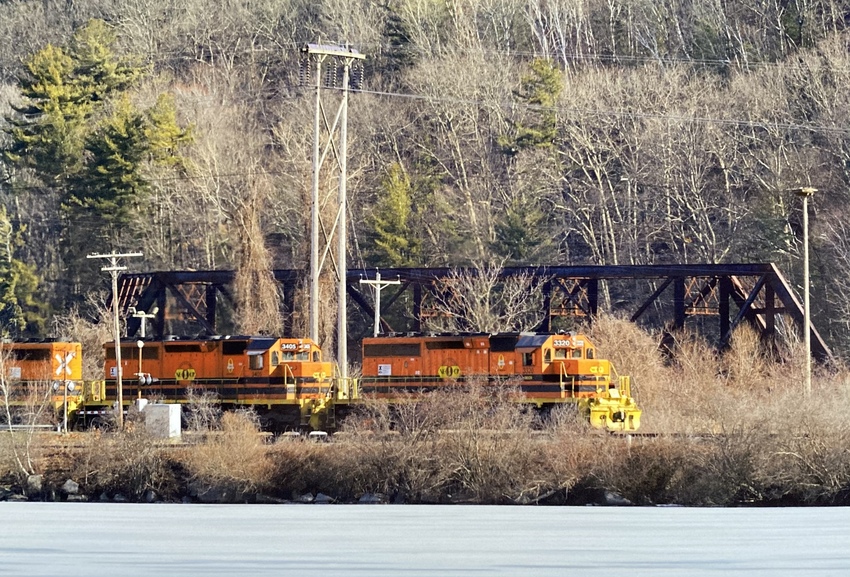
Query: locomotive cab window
576	353
316	358
288	356
275	358
560	353
256	362
589	353
547	356
527	359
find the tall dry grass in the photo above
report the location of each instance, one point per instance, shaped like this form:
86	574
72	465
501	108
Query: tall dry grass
466	443
742	428
232	462
128	464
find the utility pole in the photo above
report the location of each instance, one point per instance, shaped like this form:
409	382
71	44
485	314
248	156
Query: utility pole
379	285
113	268
316	55
805	193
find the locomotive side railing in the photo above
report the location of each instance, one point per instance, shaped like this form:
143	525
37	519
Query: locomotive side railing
289	381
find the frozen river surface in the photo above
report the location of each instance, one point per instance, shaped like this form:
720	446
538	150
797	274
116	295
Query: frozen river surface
118	540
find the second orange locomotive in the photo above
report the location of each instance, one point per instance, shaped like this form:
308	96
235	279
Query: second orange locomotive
549	369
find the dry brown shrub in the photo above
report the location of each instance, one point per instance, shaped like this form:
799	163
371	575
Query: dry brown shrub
466	443
233	461
633	351
487	447
7	457
806	456
716	392
256	293
746	361
21	454
660	470
394	448
301	467
570	453
128	463
788	371
202	411
659	391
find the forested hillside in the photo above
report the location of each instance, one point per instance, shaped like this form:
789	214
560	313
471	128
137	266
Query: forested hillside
487	131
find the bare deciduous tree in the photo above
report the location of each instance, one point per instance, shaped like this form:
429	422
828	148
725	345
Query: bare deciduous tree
482	299
256	293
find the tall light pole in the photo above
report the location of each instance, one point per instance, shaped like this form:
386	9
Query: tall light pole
337	144
805	193
379	284
113	269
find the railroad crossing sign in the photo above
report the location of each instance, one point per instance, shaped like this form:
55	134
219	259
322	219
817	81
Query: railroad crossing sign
64	363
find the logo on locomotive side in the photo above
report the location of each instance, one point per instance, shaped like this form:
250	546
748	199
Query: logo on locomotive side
448	372
229	365
185	374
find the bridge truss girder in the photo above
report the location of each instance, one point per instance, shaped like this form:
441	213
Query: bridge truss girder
734	293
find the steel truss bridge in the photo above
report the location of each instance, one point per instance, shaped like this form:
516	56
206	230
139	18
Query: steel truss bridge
671	294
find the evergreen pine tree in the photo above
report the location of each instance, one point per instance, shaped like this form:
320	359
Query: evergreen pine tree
540	90
21	313
394	242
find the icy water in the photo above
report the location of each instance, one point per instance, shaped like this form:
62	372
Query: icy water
122	540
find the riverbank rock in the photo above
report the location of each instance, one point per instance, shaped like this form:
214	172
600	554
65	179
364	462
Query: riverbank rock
35	486
70	488
614	500
372	499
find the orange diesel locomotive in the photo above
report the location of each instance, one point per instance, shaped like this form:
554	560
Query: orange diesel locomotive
269	374
549	369
34	372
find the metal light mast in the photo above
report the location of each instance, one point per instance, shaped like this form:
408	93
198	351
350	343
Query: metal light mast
334	56
805	193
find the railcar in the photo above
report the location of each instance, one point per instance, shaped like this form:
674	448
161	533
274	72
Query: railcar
43	372
549	369
284	379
